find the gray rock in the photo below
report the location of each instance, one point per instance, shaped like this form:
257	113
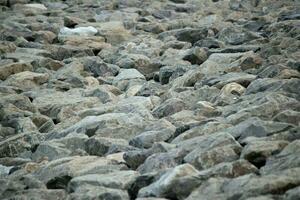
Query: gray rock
157	132
205	129
126	76
116	180
168	107
258	128
75	166
98	67
293	194
114	125
206	142
267	84
212	157
191	35
244	186
259	151
12	147
168	72
138	61
236	36
4	170
162	161
278	163
135	158
228	169
98	192
241	78
288	116
99	146
166	185
59	148
26	80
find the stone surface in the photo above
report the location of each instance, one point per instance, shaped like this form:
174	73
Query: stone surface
149	100
166	185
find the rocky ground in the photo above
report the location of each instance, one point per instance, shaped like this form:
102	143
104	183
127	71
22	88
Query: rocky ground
150	99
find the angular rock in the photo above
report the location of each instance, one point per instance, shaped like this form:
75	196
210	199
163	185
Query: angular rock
168	107
117	180
166	185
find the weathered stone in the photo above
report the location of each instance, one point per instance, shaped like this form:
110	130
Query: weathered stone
97	192
157	132
13	68
215	156
258	151
27	80
168	107
117	180
167	184
100	145
75	166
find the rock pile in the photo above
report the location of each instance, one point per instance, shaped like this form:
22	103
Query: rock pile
150	99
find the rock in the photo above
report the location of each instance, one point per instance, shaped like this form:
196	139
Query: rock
82	31
261	85
168	107
191	35
196	56
195	145
235	36
138	61
92	192
27	80
7	47
13	68
36	6
149	100
222	62
230	93
116	180
11	147
99	68
202	129
60	148
246	185
95	43
99	146
288	116
166	185
228	169
157	132
4	171
258	152
114	32
162	161
112	125
258	128
49	103
241	78
135	158
280	162
215	156
126	76
70	167
292	194
168	73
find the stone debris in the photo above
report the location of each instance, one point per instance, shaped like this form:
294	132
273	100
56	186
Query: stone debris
150	99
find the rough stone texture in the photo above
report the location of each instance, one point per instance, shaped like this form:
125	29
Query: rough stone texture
149	100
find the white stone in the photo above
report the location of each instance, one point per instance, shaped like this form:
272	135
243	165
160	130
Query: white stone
82	31
36	6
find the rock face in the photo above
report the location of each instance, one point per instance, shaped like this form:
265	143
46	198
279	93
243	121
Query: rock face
150	100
